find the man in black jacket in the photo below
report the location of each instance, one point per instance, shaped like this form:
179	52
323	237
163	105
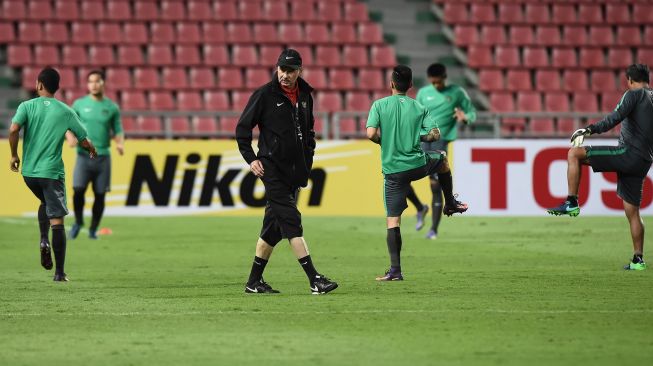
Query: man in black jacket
283	111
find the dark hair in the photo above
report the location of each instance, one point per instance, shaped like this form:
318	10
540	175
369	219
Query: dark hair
402	77
436	71
95	72
638	73
49	77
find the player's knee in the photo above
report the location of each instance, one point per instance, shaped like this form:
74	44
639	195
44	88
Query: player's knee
576	153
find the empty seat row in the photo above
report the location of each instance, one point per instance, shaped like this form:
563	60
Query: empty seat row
563	57
542	13
210	55
139	33
550	80
270	10
551	35
554	102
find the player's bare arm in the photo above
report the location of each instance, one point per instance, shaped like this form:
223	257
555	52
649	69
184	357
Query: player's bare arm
14	135
119	139
88	145
460	115
374	135
71	139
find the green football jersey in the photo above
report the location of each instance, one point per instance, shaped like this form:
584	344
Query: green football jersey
101	119
442	103
45	122
401	121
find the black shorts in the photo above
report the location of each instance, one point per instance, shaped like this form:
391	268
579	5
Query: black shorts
631	169
396	185
282	218
97	171
50	192
440	146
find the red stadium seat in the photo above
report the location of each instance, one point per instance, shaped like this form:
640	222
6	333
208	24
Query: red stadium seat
134	33
101	55
536	57
266	33
645	55
250	10
29	77
591	58
564	57
328	56
483	13
329	11
518	80
7	34
173	10
83	33
48	55
610	99
38	10
132	100
305	51
347	127
318	127
491	80
225	10
356	12
52	33
129	124
179	126
204	125
585	102
215	55
502	102
230	78
174	78
146	78
368	33
217	101
239	33
369	79
465	35
187	55
244	55
66	10
328	102
346	33
521	35
109	33
341	79
302	11
291	33
202	78
355	56
540	126
590	13
213	33
275	10
130	55
566	125
529	102
118	10
239	99
68	79
547	80
564	14
574	35
493	35
255	77
228	125
643	13
159	55
618	57
575	80
603	80
383	56
30	32
162	33
479	56
92	10
507	56
14	7
269	54
199	10
317	33
145	10
629	36
617	13
455	13
189	101
119	78
149	125
601	36
537	13
547	35
556	102
358	101
19	55
511	13
161	100
316	77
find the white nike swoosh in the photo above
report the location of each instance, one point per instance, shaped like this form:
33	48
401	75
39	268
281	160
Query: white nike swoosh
303	264
429	98
314	289
289	58
279	104
252	289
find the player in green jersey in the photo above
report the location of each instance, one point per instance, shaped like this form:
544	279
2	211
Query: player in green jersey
101	117
450	105
398	123
45	121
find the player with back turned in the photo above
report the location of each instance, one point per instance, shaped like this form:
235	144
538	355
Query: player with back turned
398	123
45	121
630	159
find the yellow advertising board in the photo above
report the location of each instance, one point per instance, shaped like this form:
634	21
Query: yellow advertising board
209	177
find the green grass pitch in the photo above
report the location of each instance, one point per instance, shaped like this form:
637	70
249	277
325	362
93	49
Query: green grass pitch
489	291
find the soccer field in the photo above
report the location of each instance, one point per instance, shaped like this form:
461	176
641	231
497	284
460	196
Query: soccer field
169	291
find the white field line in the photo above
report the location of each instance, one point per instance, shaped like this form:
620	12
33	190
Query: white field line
246	312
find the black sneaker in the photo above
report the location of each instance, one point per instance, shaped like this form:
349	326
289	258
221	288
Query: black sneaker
60	277
322	285
454	207
260	287
46	256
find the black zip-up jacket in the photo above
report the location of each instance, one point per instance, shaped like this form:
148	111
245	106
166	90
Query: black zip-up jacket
287	138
